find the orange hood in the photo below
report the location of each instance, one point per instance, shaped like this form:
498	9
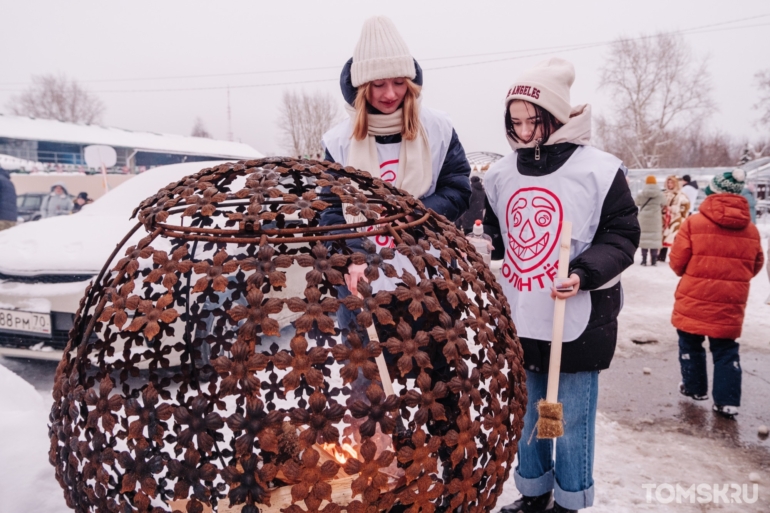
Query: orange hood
729	211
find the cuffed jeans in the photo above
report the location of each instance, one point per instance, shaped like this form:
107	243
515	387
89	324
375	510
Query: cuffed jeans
571	477
726	390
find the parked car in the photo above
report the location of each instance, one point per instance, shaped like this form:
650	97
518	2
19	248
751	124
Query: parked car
28	205
45	266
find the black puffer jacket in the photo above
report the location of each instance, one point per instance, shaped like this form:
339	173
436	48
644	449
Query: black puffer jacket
476	209
612	250
453	190
7	198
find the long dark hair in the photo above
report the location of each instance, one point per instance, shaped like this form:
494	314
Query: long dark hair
549	123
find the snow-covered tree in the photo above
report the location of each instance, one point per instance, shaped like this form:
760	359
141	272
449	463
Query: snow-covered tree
304	119
54	96
658	90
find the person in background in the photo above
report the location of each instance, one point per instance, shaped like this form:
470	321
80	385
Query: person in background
8	213
717	253
57	203
81	200
690	189
748	193
677	207
651	202
476	209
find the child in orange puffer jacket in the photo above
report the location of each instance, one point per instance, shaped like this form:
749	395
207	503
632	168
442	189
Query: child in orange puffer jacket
717	252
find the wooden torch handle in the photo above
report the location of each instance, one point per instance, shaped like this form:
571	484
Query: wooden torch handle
387	384
554	365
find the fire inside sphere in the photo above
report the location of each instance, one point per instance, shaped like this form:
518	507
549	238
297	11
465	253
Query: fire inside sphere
218	363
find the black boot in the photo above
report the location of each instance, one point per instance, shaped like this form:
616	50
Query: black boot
560	509
529	504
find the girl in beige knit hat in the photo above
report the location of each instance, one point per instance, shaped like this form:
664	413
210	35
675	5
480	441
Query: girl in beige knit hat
391	135
552	176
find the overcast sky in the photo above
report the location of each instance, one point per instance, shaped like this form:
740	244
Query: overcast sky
101	42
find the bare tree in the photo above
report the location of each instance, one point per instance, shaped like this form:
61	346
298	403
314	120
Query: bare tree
57	97
657	89
763	105
304	119
199	129
699	147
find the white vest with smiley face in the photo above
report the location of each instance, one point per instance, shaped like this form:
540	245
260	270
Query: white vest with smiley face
438	127
530	210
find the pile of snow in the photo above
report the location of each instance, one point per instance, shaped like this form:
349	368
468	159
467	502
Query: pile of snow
81	243
27	481
16	395
10	163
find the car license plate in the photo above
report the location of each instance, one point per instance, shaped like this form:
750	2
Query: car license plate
28	322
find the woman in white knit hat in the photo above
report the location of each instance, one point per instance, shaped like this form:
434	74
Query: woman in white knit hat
554	175
390	135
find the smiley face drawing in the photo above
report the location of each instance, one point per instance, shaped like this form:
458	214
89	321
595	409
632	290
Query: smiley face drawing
533	218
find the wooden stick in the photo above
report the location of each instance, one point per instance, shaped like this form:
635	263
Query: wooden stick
382	367
554	365
280	498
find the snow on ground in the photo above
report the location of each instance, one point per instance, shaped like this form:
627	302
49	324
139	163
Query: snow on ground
27	482
626	459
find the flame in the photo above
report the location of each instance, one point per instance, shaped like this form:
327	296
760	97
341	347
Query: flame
340	452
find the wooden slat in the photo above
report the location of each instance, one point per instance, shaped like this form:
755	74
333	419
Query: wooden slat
280	498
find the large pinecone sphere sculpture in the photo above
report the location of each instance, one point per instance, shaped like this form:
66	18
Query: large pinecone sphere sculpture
219	363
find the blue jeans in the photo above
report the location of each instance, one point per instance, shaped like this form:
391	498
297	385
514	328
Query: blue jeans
571	478
727	367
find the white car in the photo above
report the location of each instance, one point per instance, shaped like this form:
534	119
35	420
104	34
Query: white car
45	266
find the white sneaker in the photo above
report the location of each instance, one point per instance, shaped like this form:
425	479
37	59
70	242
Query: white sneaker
726	411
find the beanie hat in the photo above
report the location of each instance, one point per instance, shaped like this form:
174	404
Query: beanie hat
380	53
731	182
547	85
651	180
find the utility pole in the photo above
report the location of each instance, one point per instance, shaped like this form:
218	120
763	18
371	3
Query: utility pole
229	117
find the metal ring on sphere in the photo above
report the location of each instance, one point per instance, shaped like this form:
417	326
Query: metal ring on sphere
207	369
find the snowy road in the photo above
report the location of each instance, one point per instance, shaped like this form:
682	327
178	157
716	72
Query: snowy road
646	433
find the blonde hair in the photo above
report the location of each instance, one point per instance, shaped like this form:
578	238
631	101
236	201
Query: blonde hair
411	125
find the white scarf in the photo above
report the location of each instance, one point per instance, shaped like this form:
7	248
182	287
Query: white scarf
415	173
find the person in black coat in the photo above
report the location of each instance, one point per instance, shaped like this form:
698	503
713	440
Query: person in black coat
8	212
476	209
81	200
